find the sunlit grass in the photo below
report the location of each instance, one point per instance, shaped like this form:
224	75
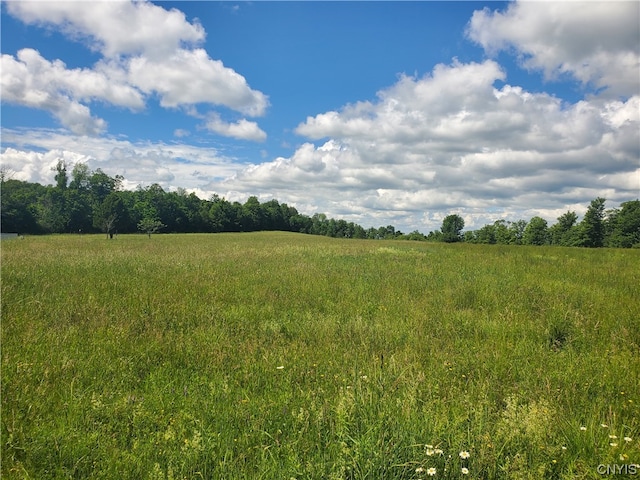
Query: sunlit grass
277	356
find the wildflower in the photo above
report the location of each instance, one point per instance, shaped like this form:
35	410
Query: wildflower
419	470
613	444
604	425
431	471
563	447
612	437
465	471
584	429
627	439
438	451
430	451
464	455
281	367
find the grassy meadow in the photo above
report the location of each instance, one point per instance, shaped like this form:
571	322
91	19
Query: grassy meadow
287	356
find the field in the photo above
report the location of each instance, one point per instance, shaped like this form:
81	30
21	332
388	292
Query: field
286	356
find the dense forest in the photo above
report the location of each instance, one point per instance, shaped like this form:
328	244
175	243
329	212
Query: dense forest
86	201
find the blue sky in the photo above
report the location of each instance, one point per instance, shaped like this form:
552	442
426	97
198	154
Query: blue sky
377	112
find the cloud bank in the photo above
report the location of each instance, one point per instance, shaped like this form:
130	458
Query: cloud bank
36	153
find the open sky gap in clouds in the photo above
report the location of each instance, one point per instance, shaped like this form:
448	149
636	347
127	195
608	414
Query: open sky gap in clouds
376	112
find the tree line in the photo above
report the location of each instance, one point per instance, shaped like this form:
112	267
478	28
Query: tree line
85	201
618	227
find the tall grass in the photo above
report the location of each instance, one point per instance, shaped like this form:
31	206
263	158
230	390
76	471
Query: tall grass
278	356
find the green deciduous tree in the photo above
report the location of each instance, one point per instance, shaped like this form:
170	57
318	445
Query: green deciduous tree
591	230
80	177
19	205
452	226
52	211
252	215
415	235
102	185
504	235
470	236
536	232
434	236
564	231
486	234
150	225
516	230
78	209
110	214
623	225
61	177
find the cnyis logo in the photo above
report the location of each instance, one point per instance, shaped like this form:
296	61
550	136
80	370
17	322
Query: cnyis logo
618	469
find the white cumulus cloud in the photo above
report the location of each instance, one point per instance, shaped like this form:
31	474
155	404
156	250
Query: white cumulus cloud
115	28
596	42
147	51
33	81
191	77
242	129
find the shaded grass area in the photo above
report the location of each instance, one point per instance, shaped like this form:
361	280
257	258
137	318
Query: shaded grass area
277	355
